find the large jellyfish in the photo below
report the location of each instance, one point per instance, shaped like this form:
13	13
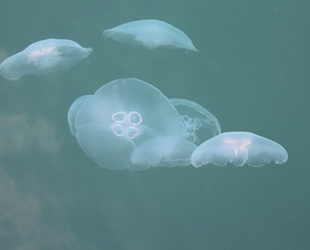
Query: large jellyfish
151	34
44	56
129	123
75	106
197	123
239	148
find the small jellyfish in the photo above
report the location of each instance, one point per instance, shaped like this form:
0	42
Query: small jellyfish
151	34
197	123
74	108
239	148
168	154
130	124
44	56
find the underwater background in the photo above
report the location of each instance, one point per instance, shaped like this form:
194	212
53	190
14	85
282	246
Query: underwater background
251	72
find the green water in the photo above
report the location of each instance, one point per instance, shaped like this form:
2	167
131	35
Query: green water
251	72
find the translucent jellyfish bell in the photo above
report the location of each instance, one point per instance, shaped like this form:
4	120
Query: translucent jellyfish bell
120	118
44	56
168	154
151	34
239	148
197	123
75	106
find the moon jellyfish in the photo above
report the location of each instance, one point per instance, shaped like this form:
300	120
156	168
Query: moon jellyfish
168	154
75	106
197	123
239	148
129	123
151	34
44	56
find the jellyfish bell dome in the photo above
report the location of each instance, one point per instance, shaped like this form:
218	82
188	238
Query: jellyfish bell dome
197	123
151	34
120	117
239	148
49	55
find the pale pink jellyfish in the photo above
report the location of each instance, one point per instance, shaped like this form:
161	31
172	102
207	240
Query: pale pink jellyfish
239	148
44	56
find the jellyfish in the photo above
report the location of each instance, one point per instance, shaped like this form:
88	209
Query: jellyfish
239	148
168	154
151	34
129	124
197	123
75	106
44	56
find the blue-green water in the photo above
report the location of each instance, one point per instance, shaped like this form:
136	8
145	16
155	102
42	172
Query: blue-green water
251	72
